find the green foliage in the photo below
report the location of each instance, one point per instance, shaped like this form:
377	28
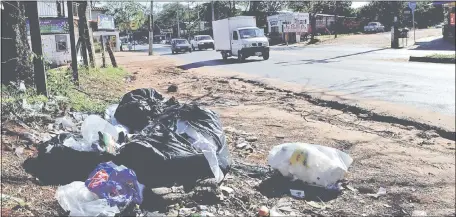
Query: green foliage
98	88
442	56
384	11
341	8
124	12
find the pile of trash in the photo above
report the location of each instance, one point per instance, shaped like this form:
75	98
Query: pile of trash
144	140
149	142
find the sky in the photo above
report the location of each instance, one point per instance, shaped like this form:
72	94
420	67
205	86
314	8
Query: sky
358	4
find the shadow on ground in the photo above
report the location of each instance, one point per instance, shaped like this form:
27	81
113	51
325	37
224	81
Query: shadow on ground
213	63
436	44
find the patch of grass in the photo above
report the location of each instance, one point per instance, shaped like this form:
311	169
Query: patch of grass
442	56
98	88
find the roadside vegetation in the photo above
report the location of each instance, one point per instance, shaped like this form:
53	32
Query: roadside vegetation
98	88
435	58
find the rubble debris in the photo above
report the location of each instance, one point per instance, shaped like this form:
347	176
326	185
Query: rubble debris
263	211
313	164
65	123
172	88
17	201
297	193
419	213
381	191
226	189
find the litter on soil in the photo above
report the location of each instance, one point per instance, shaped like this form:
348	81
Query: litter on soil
161	144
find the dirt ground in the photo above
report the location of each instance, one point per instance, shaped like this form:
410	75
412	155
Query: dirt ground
416	167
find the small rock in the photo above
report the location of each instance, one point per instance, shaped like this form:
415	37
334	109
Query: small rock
19	151
226	189
242	145
251	139
419	213
172	88
185	211
202	207
173	213
206	214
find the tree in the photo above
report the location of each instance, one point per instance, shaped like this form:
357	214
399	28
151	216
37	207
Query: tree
16	52
86	33
125	12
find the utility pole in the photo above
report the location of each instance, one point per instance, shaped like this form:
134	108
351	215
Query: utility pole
199	21
178	27
74	59
151	29
35	35
212	8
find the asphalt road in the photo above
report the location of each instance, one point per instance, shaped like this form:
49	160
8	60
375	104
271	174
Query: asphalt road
373	73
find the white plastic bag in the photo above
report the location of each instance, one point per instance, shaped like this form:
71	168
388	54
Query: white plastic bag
77	145
94	124
76	198
313	164
204	143
109	116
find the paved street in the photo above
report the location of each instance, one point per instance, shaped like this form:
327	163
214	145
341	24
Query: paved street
373	73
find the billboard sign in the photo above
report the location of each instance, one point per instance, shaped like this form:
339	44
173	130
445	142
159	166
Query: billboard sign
295	28
105	22
51	26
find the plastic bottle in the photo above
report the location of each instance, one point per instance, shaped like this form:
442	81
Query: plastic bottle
94	124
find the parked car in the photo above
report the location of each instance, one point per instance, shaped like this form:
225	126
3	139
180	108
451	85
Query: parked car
180	45
374	27
202	42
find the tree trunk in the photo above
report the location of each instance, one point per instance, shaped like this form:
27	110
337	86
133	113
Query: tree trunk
313	26
111	54
103	57
81	40
16	53
86	32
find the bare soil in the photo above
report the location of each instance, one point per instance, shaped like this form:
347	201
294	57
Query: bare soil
416	167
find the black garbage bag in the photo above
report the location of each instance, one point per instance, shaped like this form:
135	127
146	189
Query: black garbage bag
138	106
57	164
160	156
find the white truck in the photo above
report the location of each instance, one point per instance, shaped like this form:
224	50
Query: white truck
239	36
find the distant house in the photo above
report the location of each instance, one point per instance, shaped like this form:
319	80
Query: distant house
54	29
103	25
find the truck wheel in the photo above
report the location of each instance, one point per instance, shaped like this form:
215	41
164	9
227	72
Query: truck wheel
224	56
241	57
173	52
265	55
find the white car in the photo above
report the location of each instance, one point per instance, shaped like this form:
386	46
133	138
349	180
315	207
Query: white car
374	27
202	42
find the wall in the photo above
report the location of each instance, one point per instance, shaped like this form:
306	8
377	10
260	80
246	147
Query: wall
50	51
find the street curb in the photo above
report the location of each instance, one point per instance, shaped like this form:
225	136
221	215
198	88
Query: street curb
432	60
361	112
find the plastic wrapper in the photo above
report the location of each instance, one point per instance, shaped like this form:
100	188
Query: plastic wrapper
313	164
117	184
94	124
77	199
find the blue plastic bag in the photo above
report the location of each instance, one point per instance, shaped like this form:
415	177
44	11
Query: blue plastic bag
117	184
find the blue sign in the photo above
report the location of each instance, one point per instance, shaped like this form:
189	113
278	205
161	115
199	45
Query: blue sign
105	22
412	5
